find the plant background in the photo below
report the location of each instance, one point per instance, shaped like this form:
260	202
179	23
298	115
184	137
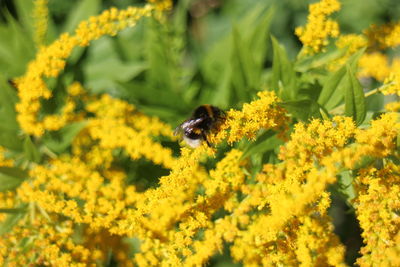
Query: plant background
198	57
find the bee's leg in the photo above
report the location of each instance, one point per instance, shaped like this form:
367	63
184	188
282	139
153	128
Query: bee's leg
204	136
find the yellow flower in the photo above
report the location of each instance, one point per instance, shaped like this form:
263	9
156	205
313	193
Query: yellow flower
53	244
376	206
51	60
393	107
369	62
263	113
319	28
40	16
273	216
392	83
123	127
316	140
7	201
5	161
387	73
352	43
315	238
383	36
378	140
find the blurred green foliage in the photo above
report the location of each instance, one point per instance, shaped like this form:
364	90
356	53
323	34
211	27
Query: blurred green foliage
217	52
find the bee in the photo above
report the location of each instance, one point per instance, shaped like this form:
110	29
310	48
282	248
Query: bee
12	83
204	119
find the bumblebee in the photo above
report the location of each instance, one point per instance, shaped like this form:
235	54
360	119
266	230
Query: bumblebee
204	119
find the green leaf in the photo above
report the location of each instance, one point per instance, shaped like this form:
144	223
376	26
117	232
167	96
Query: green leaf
11	178
6	53
332	92
302	109
266	142
249	49
104	70
318	60
180	16
25	16
345	185
11	221
14	172
16	50
283	80
129	43
165	113
9	127
354	98
10	139
82	11
364	162
64	137
12	210
223	91
142	92
9	183
247	75
324	113
52	29
30	150
107	73
8	99
243	49
375	102
162	59
216	58
258	37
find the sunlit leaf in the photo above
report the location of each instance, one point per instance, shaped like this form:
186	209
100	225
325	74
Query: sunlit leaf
354	98
31	151
284	80
333	88
11	178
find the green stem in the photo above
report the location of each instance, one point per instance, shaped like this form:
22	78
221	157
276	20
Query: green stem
44	213
32	212
48	152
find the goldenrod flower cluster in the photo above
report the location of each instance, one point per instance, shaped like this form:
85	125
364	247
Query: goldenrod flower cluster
7	201
319	28
392	82
82	207
351	43
368	63
388	72
377	211
40	16
261	113
384	36
50	61
314	37
281	218
4	161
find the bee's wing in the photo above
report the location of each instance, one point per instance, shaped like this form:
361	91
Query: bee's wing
188	124
178	130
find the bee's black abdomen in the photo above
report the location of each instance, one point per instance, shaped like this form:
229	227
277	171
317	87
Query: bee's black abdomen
193	135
